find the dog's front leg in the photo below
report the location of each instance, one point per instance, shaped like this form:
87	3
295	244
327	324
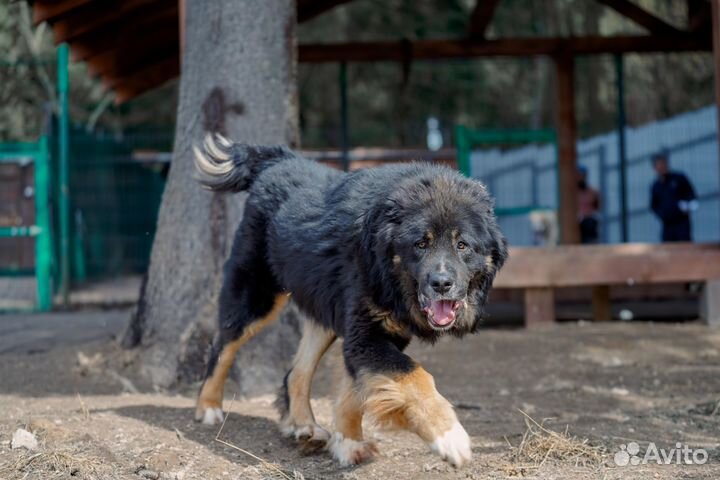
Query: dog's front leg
347	444
398	393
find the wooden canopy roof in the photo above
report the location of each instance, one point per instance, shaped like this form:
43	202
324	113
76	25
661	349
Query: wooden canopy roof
134	45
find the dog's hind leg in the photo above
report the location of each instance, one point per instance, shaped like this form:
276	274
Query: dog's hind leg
250	299
293	401
222	357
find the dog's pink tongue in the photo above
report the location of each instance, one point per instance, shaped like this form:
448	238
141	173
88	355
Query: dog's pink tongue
443	313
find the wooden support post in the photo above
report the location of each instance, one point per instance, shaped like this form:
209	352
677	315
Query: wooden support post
567	152
641	17
710	303
539	307
716	55
622	151
181	26
602	311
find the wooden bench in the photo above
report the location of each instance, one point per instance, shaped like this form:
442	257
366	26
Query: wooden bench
538	271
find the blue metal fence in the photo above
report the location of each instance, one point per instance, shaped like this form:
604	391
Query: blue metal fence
527	176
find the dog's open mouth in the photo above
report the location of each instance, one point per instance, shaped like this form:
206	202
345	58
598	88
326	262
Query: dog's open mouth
440	313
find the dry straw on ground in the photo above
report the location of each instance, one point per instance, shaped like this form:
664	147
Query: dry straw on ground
540	445
54	464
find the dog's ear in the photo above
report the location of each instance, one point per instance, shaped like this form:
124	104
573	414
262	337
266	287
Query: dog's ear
497	245
379	227
485	222
376	249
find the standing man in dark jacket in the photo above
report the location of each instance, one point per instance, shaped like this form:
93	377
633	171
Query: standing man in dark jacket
672	200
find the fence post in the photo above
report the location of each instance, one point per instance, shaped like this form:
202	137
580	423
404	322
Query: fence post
463	150
64	173
43	243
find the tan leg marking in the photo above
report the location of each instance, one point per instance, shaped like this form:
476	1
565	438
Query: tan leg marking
347	445
209	404
348	408
412	402
300	420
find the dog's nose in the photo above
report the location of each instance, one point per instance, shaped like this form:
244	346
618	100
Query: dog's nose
441	282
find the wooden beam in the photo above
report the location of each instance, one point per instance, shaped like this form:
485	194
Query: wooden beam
86	20
716	54
182	20
44	11
699	14
640	16
128	66
620	264
49	10
154	73
115	36
157	45
142	81
398	51
481	17
565	125
309	9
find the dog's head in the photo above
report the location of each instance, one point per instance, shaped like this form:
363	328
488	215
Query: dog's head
439	238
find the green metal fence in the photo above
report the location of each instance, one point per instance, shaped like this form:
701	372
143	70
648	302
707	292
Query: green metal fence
466	140
115	198
41	231
97	201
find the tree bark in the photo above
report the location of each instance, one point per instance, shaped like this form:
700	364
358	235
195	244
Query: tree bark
238	79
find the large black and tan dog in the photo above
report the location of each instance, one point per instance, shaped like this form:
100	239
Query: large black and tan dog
376	257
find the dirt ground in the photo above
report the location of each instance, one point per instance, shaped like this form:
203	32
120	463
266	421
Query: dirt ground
607	384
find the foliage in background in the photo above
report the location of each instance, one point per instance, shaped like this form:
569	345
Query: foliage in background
388	102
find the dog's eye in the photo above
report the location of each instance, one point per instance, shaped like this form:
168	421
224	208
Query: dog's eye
422	245
461	245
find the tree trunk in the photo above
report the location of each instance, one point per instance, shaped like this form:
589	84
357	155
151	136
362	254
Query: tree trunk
238	78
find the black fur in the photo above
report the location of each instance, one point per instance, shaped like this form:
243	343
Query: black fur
348	247
282	401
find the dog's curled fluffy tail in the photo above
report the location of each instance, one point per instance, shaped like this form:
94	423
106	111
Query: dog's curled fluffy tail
225	166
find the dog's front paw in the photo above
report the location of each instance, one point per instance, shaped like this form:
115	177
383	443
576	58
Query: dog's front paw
311	437
209	415
351	452
453	446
